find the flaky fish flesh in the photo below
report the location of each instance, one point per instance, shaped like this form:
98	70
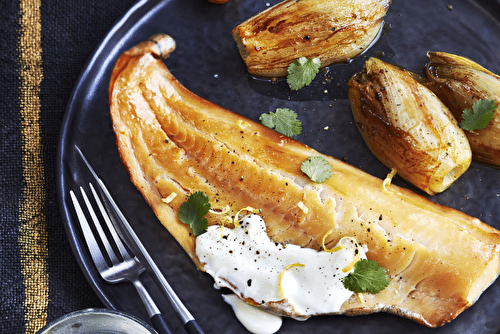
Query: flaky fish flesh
438	259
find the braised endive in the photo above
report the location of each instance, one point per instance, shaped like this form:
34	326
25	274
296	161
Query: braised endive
460	82
407	127
333	31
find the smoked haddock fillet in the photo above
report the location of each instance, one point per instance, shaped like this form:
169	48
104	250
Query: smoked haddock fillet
439	260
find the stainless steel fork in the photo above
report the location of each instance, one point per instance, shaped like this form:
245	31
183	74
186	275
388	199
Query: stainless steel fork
130	239
115	266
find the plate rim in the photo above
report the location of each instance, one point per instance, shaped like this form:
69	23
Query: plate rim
140	9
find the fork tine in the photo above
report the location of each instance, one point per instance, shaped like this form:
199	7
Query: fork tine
92	244
123	251
129	269
109	250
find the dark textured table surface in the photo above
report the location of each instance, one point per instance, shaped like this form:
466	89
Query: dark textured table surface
44	45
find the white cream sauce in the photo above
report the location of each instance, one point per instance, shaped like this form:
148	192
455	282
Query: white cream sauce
245	260
255	320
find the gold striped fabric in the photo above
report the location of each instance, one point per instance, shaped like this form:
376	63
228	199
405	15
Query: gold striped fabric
32	221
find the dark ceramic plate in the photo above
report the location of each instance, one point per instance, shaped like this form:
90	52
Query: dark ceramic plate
207	62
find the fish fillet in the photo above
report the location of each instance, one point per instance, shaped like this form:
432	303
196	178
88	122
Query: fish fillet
439	260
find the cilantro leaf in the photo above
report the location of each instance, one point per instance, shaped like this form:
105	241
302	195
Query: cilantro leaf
284	121
317	168
367	276
192	212
479	116
302	71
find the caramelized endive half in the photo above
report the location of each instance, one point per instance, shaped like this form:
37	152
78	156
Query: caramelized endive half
334	31
459	82
172	141
407	127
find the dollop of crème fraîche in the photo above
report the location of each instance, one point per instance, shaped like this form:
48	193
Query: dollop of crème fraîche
304	281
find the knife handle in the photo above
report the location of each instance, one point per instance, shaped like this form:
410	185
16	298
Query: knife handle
160	324
192	327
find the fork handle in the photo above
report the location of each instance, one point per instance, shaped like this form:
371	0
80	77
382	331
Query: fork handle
154	313
160	324
192	327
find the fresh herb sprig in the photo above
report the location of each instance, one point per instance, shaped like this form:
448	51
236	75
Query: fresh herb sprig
317	168
302	71
193	211
479	116
367	276
284	121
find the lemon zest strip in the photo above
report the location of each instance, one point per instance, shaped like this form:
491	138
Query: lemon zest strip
226	219
388	179
169	198
221	229
357	255
330	250
303	207
221	212
236	220
242	124
280	286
